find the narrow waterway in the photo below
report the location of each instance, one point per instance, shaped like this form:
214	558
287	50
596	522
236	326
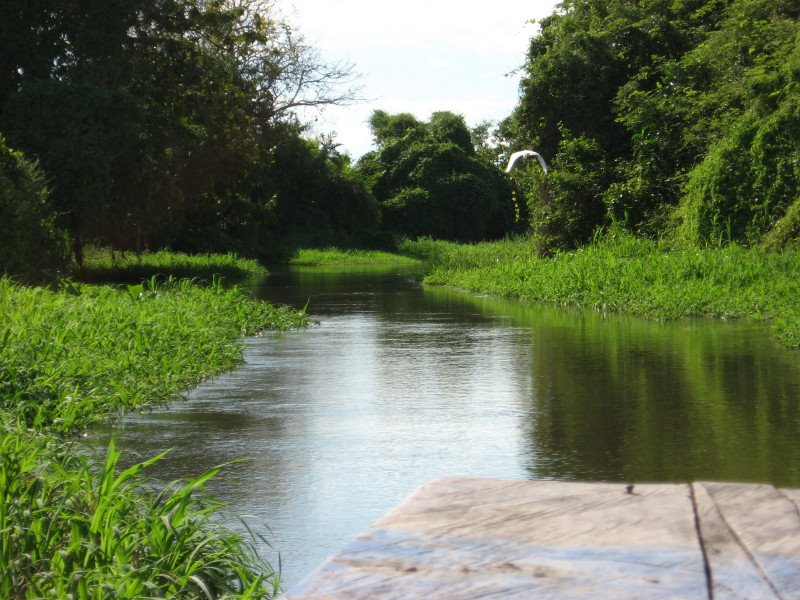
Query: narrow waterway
401	383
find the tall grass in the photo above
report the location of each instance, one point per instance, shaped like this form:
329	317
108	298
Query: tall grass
621	272
72	530
335	256
101	265
72	357
83	353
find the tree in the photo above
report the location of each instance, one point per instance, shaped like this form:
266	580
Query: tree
303	192
32	244
567	206
430	181
161	105
669	95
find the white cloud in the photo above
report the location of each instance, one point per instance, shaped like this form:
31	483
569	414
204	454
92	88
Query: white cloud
420	56
436	63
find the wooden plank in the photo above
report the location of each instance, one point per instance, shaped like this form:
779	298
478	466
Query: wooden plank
793	495
473	538
734	573
766	524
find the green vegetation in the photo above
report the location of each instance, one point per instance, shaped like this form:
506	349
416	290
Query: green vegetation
623	273
84	353
81	354
32	244
104	265
73	529
335	256
171	123
786	232
430	180
675	119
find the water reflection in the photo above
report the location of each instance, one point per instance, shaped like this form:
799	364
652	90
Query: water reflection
402	383
622	398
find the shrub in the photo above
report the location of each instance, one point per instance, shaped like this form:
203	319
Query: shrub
746	182
431	182
566	205
31	243
786	232
409	213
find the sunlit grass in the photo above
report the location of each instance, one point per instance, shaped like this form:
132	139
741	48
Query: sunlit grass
103	265
72	529
623	273
337	257
81	354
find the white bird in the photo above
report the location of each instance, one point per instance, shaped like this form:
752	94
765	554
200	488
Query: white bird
522	153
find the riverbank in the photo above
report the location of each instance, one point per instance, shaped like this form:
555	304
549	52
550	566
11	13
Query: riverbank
624	273
81	354
101	265
337	257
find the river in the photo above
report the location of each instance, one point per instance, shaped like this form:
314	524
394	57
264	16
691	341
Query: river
401	383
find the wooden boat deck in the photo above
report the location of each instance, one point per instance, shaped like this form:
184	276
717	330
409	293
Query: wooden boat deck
488	538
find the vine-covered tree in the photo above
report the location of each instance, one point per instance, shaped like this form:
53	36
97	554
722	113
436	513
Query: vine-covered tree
430	180
689	108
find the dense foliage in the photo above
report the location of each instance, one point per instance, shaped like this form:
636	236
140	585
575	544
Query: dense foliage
303	193
74	357
81	354
144	114
73	530
430	181
685	115
31	242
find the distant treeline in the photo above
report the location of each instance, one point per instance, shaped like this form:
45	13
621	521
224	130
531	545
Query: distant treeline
154	123
144	124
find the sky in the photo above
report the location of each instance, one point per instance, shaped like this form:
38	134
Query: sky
419	56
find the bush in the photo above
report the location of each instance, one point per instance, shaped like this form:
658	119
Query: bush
32	245
303	193
746	182
786	232
430	181
566	205
409	213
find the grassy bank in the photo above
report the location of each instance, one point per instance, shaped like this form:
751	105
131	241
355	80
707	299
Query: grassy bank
624	273
102	265
83	353
334	256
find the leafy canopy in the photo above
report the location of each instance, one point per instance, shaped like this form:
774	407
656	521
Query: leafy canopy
430	181
689	107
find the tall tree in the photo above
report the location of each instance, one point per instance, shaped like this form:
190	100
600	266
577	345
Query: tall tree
662	98
431	182
139	110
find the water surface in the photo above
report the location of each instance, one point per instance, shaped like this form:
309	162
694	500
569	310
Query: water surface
401	383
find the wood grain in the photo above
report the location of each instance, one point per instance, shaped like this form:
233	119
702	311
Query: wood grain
766	524
487	538
734	572
474	538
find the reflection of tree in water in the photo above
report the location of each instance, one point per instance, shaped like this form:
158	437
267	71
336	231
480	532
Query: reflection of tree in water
624	398
627	399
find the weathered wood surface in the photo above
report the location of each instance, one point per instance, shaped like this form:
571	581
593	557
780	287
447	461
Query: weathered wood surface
488	538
